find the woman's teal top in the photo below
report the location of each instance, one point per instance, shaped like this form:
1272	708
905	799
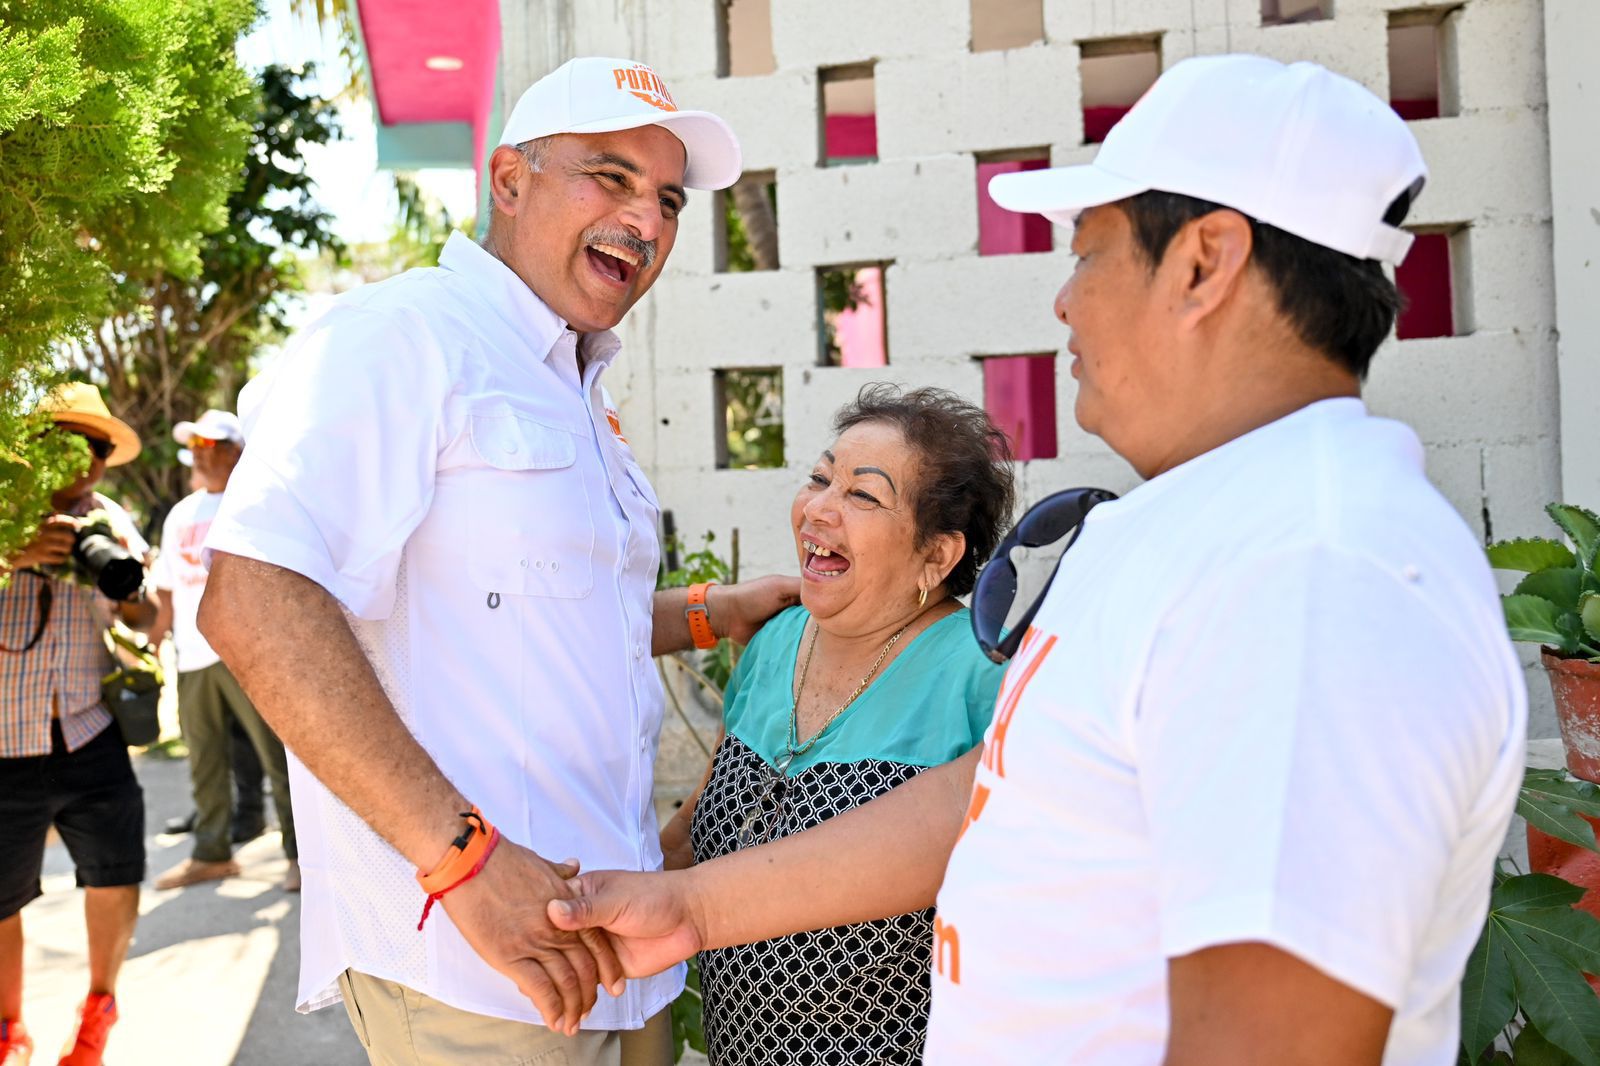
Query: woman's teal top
931	703
855	993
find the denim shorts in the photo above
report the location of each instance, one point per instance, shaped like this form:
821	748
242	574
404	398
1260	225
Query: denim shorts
92	798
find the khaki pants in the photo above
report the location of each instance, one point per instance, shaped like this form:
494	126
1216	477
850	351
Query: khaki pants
206	699
400	1027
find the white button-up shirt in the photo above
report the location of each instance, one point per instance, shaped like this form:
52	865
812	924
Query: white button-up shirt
430	453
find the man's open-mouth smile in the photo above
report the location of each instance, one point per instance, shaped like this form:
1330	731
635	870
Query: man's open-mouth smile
616	265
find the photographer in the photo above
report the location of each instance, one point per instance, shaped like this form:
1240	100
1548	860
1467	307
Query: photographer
62	760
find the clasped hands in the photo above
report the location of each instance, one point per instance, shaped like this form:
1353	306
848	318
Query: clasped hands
539	923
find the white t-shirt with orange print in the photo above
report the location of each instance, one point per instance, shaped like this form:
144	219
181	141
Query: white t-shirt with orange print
180	572
1269	698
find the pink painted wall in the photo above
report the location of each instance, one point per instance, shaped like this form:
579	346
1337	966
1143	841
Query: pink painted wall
860	332
850	136
1019	392
1424	280
1097	122
1002	232
400	36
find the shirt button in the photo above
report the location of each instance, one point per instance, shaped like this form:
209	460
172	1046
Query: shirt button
510	445
638	651
522	563
554	566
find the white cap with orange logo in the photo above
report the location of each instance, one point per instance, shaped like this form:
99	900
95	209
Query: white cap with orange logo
594	94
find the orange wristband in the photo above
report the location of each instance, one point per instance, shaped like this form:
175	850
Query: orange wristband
700	618
463	861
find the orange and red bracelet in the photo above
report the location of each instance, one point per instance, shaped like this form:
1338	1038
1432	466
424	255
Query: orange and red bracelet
461	863
699	617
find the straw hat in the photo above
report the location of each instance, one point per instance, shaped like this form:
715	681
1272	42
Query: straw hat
78	403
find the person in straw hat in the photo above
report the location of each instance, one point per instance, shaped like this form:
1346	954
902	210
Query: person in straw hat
62	759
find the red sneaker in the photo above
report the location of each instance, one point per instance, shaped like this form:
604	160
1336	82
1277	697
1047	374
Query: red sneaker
16	1046
95	1019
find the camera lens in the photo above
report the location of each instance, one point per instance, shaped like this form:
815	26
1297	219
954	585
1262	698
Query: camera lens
114	569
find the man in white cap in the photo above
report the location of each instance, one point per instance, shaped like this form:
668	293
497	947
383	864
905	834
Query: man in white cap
1250	768
210	702
434	573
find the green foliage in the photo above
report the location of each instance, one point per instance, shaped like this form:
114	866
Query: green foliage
753	416
1552	801
740	258
715	666
31	474
703	564
688	1016
174	345
840	292
1524	981
1531	555
100	101
1558	603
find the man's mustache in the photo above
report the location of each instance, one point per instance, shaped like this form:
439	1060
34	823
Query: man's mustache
621	238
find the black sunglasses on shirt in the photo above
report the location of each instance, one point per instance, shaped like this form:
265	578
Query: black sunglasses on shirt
1056	516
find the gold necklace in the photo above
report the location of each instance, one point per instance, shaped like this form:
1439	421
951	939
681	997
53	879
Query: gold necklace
794	710
759	824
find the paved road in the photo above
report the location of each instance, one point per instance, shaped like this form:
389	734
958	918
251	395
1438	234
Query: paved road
210	980
211	977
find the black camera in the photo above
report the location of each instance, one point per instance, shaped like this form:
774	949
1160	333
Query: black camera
101	556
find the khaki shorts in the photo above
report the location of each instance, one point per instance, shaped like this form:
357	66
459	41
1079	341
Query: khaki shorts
400	1027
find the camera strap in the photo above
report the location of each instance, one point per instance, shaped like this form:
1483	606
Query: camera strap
46	596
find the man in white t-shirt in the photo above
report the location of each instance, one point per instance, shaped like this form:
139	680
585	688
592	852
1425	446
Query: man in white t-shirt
210	701
1250	768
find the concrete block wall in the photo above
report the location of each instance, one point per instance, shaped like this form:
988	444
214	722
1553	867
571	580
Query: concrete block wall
1485	403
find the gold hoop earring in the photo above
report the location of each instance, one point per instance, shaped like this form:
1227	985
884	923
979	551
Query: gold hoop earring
922	596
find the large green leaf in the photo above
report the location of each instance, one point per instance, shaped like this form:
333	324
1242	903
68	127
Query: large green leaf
1488	993
1532	1049
1589	611
1537	620
1567	931
1556	999
1531	554
1579	523
1531	892
1558	821
1561	585
1559	786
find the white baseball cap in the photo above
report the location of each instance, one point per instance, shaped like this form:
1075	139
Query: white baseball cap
594	94
213	425
1297	147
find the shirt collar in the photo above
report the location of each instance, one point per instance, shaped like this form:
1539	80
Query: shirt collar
509	297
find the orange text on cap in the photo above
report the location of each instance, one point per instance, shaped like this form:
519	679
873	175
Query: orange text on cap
642	82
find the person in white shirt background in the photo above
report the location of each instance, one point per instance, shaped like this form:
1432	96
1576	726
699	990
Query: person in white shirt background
1251	766
249	801
434	573
210	701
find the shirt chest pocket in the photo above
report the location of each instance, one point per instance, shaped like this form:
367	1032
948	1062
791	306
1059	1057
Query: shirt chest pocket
531	528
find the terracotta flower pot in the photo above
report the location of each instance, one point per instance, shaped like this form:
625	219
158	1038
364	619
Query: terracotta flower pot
1576	686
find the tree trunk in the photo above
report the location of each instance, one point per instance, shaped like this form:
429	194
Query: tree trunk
760	224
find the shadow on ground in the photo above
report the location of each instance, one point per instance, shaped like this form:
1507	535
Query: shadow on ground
211	977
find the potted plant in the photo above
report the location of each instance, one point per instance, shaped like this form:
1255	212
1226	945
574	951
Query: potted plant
1524	997
1557	605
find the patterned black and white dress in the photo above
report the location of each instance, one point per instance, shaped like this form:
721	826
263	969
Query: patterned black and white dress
854	994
